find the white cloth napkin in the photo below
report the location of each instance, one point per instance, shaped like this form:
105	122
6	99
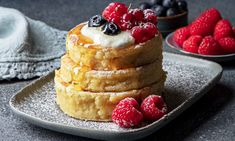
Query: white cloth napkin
28	48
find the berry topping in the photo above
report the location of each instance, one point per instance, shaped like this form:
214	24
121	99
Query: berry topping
110	29
153	108
126	22
141	24
169	3
114	10
205	23
96	21
150	16
126	114
181	35
159	10
182	5
192	43
223	29
144	5
172	12
144	32
209	46
137	14
227	44
234	31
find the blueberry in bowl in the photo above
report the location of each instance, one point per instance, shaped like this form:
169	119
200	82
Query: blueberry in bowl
171	14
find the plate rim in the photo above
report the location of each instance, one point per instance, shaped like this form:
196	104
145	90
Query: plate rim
152	127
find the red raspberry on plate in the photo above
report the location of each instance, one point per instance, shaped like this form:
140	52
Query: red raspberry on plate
223	29
181	35
126	114
130	101
153	108
114	10
209	46
144	32
227	44
192	43
205	23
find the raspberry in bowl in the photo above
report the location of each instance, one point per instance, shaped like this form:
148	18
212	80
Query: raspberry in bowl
171	14
209	36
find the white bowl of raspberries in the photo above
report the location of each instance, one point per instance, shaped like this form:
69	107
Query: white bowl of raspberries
209	36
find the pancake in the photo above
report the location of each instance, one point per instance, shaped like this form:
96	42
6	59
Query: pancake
82	50
112	80
96	106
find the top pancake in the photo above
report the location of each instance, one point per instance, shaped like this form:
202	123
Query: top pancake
82	50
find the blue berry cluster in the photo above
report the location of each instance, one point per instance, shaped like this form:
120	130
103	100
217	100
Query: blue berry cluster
165	7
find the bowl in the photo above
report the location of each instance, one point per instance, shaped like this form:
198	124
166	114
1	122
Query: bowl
169	24
217	58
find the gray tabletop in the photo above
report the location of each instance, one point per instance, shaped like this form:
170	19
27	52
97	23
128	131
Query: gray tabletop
211	118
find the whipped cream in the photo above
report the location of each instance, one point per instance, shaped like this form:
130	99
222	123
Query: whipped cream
99	38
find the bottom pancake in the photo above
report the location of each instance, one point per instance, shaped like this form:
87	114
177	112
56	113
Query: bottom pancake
97	106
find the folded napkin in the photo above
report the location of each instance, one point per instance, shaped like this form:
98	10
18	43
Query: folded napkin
28	48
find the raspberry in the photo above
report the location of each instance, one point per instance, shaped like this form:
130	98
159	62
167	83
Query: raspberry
153	108
144	32
115	19
151	29
151	17
209	46
223	29
126	114
181	35
234	31
205	23
126	21
130	101
227	44
114	10
138	14
192	43
127	17
125	25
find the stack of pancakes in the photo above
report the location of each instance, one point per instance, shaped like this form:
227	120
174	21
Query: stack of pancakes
93	79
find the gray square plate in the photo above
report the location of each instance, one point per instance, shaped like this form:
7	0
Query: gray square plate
187	80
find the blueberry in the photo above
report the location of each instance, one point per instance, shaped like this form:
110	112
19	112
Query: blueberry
172	12
182	5
110	29
169	3
144	5
154	2
159	10
96	21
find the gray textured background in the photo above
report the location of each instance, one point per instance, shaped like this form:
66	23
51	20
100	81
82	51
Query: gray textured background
211	118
